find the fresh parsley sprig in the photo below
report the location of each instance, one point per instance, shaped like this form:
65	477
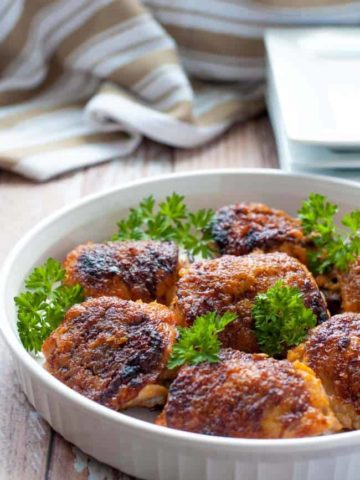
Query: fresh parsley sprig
281	319
171	222
42	307
333	248
200	343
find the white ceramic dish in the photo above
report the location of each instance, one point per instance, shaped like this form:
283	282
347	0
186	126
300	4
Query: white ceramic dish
125	441
316	72
300	157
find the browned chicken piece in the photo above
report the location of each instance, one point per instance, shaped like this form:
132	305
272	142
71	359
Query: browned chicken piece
231	283
132	270
332	350
113	351
350	288
244	227
248	396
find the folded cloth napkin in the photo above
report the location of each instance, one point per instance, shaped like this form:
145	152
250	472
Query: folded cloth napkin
82	81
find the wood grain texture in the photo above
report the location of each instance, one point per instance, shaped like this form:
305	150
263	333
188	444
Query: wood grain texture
68	462
29	450
247	145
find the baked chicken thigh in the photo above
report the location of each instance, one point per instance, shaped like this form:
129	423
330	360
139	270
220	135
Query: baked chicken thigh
230	283
244	227
113	351
350	288
249	396
332	350
132	270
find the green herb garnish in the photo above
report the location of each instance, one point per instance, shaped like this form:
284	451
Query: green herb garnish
42	307
332	247
281	318
200	342
171	222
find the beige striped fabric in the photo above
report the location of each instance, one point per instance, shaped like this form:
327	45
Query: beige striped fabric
83	81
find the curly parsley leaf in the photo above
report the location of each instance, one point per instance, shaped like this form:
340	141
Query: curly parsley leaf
331	249
42	307
281	318
200	342
171	222
317	215
352	220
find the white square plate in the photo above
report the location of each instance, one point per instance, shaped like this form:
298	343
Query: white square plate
316	73
311	158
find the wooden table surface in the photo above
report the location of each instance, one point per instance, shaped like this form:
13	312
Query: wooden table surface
29	448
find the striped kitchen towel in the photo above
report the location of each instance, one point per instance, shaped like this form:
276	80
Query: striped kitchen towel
82	81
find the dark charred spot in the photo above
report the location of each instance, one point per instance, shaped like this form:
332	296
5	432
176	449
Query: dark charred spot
344	342
96	263
220	227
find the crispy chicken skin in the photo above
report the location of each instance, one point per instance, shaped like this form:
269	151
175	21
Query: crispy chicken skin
230	283
132	270
248	396
350	288
332	350
244	227
113	351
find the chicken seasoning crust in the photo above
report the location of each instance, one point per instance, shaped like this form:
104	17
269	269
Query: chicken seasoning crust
350	288
113	351
244	227
332	350
248	396
132	270
231	283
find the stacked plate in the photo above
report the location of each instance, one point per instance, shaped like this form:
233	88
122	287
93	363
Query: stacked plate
313	99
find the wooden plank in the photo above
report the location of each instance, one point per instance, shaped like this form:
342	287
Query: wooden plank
24	436
150	159
249	145
68	462
24	203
